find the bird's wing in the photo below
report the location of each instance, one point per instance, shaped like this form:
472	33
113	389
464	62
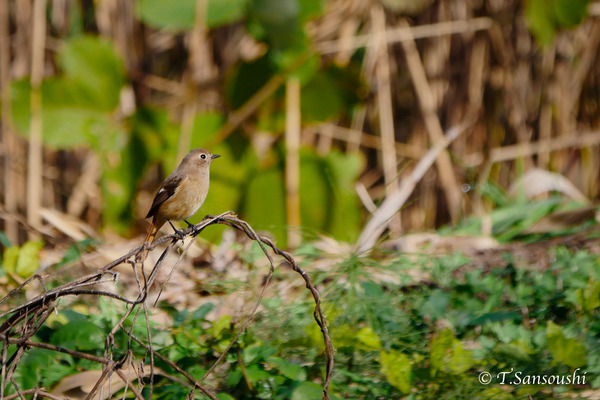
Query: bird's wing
167	189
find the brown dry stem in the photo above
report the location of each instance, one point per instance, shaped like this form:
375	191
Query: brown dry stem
20	324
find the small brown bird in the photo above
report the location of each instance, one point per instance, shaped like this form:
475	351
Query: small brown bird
182	193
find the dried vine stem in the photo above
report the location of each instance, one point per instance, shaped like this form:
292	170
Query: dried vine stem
21	323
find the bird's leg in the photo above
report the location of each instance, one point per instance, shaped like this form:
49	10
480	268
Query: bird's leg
195	230
177	231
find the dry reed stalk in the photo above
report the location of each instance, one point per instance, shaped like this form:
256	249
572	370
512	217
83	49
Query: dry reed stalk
176	89
241	114
575	139
522	150
545	118
34	172
403	34
356	129
20	323
7	138
392	204
86	186
367	140
325	140
445	170
385	109
292	160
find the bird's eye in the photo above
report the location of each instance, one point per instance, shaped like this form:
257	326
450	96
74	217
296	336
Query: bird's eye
203	156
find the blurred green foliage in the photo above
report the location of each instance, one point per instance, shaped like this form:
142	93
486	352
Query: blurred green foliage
80	108
393	335
546	17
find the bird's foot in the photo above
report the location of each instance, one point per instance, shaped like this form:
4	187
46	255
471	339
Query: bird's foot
195	231
178	232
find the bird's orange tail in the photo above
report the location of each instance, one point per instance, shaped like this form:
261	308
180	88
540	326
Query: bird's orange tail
149	239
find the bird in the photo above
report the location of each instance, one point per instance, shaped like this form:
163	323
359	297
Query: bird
182	193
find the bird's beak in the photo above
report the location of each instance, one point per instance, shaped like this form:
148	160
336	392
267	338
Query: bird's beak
215	156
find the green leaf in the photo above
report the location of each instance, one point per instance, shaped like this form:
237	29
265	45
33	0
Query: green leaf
315	192
397	368
224	323
256	373
246	79
441	346
29	258
367	336
9	260
77	106
289	369
448	354
257	353
4	240
542	20
589	297
264	205
343	170
205	127
496	316
570	13
307	391
83	335
222	12
462	360
92	63
322	99
172	15
566	350
180	15
279	21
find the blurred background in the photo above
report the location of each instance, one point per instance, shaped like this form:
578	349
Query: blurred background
341	124
319	108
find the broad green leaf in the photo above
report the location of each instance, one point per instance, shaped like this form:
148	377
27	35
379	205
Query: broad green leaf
246	79
311	9
307	391
589	297
29	258
172	15
542	19
223	12
448	354
321	99
9	260
219	326
441	347
180	15
201	312
496	316
367	336
4	240
92	63
255	373
570	13
343	170
566	350
289	369
279	21
82	335
517	349
397	368
264	204
315	192
205	127
257	352
462	360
